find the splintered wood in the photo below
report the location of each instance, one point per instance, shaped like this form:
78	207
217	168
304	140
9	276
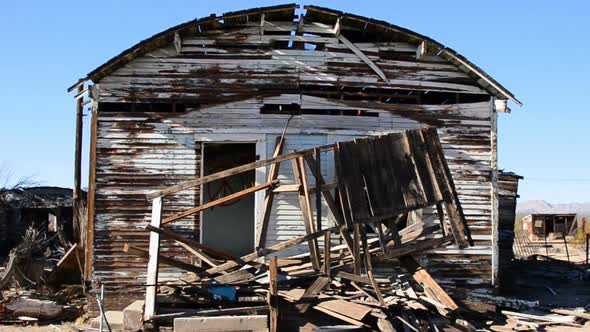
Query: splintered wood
378	182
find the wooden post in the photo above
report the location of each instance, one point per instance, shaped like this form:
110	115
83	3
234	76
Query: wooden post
77	165
154	253
356	250
273	299
327	246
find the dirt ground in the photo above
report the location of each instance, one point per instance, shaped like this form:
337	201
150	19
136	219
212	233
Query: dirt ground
67	327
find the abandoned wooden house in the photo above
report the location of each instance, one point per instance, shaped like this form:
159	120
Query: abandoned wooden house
216	92
548	226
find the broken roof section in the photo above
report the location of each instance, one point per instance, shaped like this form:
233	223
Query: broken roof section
313	13
36	197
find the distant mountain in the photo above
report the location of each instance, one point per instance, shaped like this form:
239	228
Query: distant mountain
540	206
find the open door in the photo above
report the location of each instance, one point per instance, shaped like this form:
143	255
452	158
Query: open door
229	227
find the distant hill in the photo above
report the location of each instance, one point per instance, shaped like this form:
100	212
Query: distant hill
540	206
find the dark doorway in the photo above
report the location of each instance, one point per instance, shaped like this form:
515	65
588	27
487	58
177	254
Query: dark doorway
228	227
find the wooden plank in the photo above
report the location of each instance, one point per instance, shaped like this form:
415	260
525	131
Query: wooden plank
305	206
311	293
273	174
173	236
330	202
425	279
201	255
349	309
327	245
356	252
318	194
341	317
376	288
235	170
285	188
363	57
273	299
153	262
353	277
273	249
444	177
220	201
133	250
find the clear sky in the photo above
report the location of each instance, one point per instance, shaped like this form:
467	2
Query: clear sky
537	49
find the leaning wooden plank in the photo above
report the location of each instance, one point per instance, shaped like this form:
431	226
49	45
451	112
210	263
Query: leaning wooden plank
173	236
273	174
235	170
267	251
200	255
363	57
220	201
133	250
273	300
412	247
330	202
447	187
311	292
425	279
153	261
305	206
376	288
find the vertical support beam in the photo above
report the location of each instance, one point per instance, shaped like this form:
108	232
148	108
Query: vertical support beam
494	191
88	242
77	164
327	247
154	253
273	299
318	193
356	250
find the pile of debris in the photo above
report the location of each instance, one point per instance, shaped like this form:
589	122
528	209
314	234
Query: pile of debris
32	281
347	280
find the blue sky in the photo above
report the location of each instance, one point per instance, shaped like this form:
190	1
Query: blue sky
537	49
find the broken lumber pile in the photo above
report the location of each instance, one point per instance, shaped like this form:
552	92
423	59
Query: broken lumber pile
379	182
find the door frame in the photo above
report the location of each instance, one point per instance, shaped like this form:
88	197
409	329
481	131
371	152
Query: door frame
260	173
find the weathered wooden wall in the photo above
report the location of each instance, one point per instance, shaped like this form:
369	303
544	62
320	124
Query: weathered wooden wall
233	77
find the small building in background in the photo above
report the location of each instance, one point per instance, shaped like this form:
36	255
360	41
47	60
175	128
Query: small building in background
548	226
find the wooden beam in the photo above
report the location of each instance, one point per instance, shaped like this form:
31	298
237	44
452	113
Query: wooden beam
220	201
153	261
363	57
273	299
327	245
287	188
273	174
425	279
267	251
235	170
133	250
311	293
330	202
173	236
421	50
376	288
300	175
